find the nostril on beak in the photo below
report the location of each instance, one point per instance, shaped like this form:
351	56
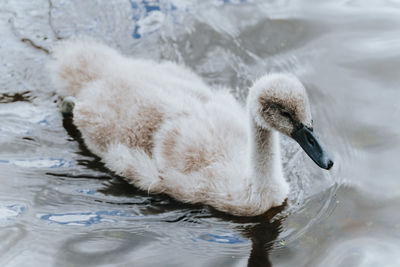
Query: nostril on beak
310	140
330	164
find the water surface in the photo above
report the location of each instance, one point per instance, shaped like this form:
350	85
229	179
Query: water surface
59	206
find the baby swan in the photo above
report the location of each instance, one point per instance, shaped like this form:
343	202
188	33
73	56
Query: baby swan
163	129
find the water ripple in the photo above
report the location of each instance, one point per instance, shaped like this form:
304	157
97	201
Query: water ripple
51	163
10	212
84	218
227	238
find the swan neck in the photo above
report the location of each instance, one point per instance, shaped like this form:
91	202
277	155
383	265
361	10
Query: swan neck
266	157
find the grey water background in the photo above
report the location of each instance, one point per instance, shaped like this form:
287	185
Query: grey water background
60	207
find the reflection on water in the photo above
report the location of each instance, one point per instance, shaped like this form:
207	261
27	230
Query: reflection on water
59	205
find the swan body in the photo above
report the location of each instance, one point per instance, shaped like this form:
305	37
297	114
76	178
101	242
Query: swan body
163	129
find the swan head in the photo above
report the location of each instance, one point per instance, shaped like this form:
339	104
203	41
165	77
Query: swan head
279	102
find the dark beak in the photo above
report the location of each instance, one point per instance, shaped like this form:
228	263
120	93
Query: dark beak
311	145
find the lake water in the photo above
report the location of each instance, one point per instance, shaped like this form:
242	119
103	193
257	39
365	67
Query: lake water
59	206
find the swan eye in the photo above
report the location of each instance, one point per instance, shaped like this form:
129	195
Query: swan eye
286	114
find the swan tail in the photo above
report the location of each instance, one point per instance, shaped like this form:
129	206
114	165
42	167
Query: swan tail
78	62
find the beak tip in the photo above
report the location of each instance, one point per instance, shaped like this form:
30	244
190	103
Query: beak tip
329	165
